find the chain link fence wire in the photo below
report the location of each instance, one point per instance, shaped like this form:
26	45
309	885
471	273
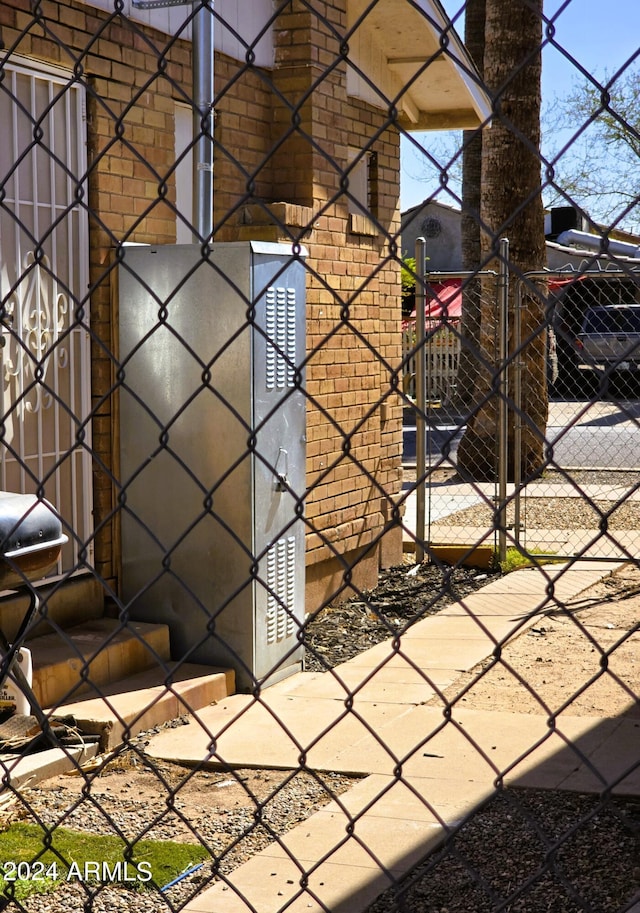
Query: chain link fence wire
236	690
593	380
451	366
591	371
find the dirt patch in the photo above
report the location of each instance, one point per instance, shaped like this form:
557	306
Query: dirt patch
581	657
235	814
131	793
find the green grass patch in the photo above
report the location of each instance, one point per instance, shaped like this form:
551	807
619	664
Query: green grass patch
33	863
516	559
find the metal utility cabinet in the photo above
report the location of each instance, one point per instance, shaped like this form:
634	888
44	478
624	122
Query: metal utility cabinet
212	419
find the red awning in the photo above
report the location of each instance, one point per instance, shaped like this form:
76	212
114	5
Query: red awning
444	300
556	285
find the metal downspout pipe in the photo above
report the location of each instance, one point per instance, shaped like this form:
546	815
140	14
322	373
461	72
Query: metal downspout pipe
202	67
203	119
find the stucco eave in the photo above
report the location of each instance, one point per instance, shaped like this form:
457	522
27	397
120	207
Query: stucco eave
413	55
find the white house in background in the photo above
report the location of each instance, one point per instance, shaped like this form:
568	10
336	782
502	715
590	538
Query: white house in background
569	241
439	224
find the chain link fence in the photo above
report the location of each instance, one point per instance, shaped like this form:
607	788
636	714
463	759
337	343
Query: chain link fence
261	649
591	370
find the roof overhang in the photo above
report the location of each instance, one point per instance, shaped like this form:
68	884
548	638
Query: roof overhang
408	53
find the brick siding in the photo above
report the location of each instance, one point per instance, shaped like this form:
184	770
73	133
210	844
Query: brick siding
270	186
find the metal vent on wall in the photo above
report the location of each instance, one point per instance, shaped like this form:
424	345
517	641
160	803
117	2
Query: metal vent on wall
280	325
281	564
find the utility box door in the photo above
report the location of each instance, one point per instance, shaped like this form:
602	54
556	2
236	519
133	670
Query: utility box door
213	451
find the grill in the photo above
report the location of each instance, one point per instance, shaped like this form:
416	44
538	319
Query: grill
31	539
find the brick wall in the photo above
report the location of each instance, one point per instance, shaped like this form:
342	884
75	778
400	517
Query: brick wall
354	421
271	182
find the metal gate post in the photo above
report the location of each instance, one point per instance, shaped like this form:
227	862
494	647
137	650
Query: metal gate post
503	389
421	399
517	405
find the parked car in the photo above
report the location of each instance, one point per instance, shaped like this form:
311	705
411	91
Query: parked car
610	338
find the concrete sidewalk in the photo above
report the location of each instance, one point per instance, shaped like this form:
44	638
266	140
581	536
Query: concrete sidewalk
422	770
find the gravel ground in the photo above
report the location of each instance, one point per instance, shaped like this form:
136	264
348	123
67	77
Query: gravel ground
558	513
554	513
531	851
143	800
580	478
130	795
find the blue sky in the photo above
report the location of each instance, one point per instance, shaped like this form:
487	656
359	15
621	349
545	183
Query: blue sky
600	35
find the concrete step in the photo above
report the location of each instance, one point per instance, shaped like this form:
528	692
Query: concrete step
118	681
148	699
95	653
61	604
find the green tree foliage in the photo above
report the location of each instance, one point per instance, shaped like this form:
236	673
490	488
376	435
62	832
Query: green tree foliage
408	275
408	280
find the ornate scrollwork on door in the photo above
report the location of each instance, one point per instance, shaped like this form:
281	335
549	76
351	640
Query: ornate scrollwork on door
35	313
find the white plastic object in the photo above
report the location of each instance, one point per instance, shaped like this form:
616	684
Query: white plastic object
11	697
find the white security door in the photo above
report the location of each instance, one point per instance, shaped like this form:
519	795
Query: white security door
45	436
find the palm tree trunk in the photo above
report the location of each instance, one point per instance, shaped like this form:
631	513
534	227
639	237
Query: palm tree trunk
511	206
470	223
